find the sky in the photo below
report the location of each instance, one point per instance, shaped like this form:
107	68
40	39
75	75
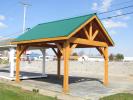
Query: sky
41	11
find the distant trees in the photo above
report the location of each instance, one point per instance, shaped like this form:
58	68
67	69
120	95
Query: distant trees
117	57
4	61
111	57
75	54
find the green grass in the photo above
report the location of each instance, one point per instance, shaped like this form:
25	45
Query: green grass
8	92
119	96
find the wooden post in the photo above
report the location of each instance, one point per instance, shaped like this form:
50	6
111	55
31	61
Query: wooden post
106	66
58	63
20	49
18	63
66	50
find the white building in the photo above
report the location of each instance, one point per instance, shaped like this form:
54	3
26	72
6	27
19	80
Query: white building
92	59
5	45
47	58
128	59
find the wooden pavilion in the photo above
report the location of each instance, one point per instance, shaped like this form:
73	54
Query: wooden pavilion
63	36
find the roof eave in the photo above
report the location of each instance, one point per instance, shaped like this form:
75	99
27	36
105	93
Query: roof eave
39	40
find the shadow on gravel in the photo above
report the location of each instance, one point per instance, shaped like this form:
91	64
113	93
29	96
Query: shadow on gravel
22	73
52	78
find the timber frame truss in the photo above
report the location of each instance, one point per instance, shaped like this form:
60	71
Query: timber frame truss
65	47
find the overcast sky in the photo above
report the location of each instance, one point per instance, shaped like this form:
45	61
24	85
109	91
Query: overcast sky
120	29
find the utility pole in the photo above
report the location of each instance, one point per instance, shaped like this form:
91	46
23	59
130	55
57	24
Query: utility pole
24	17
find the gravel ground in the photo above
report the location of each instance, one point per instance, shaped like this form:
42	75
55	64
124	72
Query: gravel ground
115	68
85	78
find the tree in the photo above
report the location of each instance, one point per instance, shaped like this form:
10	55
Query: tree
119	57
75	54
111	57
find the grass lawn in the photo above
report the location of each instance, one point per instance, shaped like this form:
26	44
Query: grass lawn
119	96
8	92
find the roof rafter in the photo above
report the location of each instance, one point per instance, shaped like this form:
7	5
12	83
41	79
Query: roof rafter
90	31
95	34
55	51
86	33
41	45
59	47
73	47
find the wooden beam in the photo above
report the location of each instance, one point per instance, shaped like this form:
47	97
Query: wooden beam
66	50
86	33
106	66
73	47
20	49
23	48
87	42
85	46
40	40
41	45
90	31
95	34
101	51
59	47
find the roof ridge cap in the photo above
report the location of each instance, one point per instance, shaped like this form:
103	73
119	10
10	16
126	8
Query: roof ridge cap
67	18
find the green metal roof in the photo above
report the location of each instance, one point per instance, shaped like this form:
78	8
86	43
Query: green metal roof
54	29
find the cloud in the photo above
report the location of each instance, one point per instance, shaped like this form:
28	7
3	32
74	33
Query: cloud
126	17
2	25
3	38
94	6
113	32
114	24
111	24
104	6
120	22
2	17
119	12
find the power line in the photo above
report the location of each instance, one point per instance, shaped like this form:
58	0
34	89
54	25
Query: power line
119	15
122	3
115	9
98	14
